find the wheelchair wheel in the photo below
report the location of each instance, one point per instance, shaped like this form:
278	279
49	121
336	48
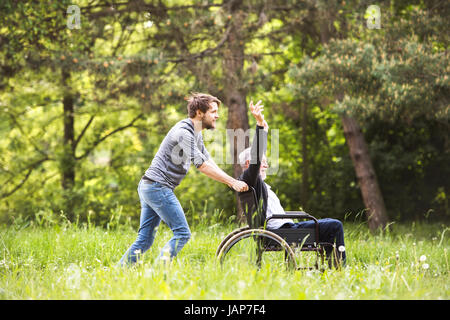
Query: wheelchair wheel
256	247
231	234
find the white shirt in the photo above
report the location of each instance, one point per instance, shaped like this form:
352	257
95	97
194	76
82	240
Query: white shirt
274	207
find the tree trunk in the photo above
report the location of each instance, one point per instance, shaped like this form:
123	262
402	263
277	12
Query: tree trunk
305	162
68	158
235	99
367	179
368	183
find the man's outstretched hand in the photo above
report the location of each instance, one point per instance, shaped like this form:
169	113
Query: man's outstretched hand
210	168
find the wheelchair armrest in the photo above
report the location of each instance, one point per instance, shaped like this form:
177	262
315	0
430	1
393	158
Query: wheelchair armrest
293	215
301	214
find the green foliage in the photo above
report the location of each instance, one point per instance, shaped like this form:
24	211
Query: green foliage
396	82
129	68
370	80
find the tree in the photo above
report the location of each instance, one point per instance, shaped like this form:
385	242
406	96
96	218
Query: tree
108	92
85	75
375	75
217	44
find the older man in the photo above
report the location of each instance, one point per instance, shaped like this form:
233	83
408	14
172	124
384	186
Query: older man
255	166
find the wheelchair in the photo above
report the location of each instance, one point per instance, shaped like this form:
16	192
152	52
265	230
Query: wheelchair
256	245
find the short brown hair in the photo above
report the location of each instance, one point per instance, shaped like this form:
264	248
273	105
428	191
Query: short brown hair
200	101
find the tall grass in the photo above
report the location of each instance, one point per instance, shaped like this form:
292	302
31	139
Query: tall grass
63	260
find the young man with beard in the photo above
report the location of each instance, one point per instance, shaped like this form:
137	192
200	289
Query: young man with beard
182	146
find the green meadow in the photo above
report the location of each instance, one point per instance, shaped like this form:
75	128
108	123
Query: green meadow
356	97
68	261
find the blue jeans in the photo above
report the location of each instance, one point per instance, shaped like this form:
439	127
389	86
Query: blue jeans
158	203
330	230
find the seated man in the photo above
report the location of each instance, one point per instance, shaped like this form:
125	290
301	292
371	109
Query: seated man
255	167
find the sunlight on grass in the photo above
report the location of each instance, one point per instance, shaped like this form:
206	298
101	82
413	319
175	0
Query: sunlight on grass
69	262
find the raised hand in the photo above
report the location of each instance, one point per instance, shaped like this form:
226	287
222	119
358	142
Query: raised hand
256	111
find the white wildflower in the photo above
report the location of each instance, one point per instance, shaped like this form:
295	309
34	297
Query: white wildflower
73	276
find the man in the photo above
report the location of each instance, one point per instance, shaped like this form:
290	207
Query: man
255	167
182	146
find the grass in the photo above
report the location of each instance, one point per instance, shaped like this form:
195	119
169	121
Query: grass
65	261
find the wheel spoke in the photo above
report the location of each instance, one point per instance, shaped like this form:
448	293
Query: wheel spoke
254	247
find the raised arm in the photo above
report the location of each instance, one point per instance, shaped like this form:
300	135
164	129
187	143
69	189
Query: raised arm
259	145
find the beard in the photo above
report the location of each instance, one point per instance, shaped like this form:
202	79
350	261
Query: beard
208	124
263	175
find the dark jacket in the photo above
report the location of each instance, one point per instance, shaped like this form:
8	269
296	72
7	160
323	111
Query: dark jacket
251	175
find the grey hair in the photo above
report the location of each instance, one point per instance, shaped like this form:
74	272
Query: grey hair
244	156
